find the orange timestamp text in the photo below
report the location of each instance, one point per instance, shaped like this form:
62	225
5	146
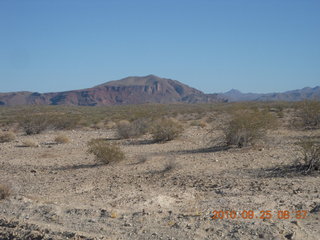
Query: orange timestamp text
266	214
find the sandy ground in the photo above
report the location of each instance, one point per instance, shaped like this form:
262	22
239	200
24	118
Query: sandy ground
161	191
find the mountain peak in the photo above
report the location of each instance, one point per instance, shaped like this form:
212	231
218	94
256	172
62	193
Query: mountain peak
135	81
233	91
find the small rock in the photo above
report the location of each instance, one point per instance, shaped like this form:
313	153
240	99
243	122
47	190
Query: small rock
289	236
294	222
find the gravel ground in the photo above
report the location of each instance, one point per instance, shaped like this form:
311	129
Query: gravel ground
160	191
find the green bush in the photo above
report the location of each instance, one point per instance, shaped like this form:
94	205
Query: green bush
105	152
166	130
248	126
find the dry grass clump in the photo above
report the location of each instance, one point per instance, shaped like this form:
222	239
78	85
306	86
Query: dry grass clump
60	139
4	192
29	143
310	148
248	126
7	137
166	130
308	115
198	123
133	129
105	152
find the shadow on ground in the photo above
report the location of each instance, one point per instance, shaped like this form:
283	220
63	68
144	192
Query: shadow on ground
203	150
80	166
286	171
140	142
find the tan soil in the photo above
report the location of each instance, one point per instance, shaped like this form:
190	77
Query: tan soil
161	191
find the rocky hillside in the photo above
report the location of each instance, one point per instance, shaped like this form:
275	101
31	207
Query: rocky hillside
130	90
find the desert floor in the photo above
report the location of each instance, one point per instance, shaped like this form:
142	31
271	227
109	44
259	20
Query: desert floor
160	191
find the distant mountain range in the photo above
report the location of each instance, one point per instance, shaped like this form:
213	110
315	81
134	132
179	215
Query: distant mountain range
130	90
289	96
147	89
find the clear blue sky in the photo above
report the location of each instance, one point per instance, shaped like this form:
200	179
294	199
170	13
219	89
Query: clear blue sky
212	45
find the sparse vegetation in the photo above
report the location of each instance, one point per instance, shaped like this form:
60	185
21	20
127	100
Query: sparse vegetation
185	170
308	115
248	126
7	137
39	122
60	139
166	130
310	149
4	192
105	152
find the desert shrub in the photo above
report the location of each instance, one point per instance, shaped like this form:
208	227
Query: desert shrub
61	139
248	126
63	121
136	128
7	137
165	130
123	129
29	143
37	123
105	152
308	114
310	150
4	192
34	124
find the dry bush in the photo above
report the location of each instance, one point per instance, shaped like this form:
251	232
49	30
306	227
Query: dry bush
34	124
61	139
123	128
308	115
105	152
7	137
37	123
4	192
98	125
310	149
248	126
134	129
29	143
63	121
110	125
166	130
